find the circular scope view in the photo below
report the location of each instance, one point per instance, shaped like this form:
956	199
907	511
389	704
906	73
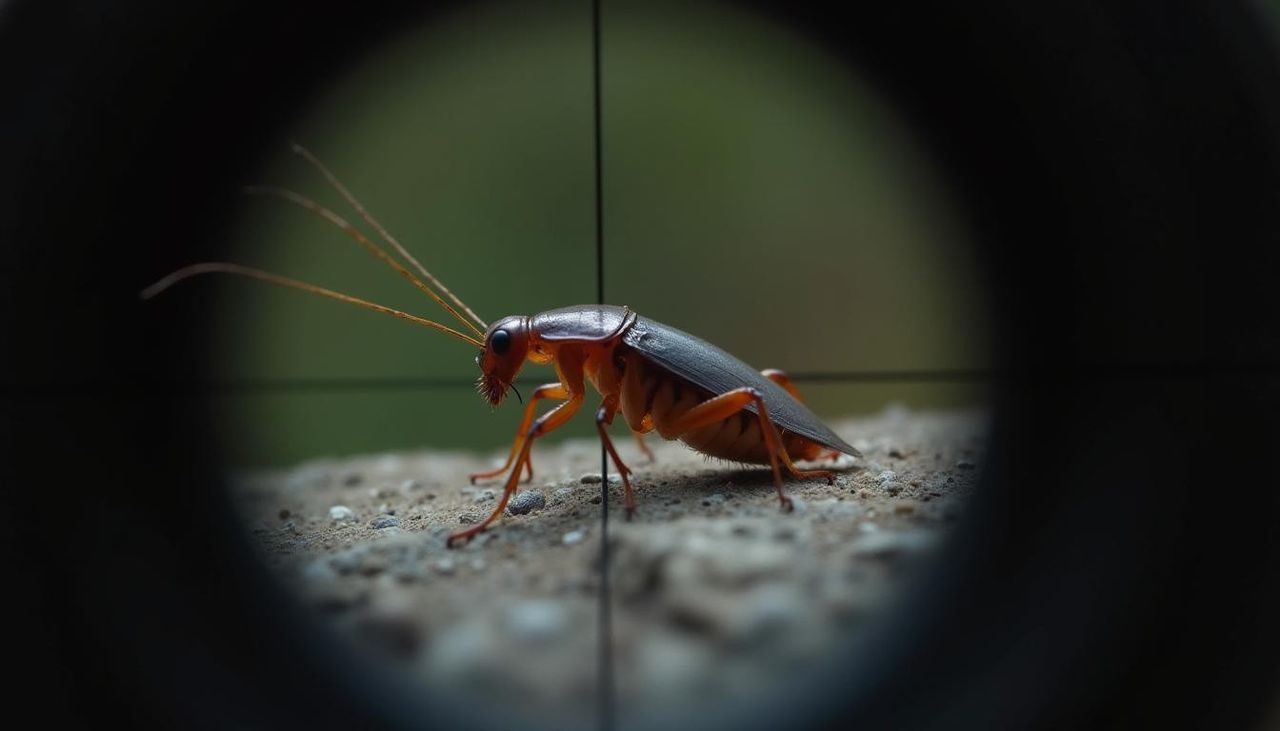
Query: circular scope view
757	196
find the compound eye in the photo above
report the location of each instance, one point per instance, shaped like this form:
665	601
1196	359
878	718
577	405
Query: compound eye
500	341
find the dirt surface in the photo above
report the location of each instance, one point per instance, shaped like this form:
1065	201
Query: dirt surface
716	592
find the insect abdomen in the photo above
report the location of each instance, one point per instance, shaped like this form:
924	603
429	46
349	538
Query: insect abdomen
653	398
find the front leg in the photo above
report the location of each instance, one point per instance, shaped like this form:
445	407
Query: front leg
547	391
569	368
548	422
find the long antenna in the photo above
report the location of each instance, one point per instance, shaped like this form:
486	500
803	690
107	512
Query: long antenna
382	231
360	238
226	268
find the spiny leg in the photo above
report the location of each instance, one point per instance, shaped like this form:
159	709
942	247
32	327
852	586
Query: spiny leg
727	404
782	379
545	391
548	422
604	417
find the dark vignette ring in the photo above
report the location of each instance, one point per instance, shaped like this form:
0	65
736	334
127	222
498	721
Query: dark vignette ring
1119	165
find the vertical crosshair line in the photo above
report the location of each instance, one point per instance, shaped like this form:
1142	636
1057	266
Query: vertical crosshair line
604	672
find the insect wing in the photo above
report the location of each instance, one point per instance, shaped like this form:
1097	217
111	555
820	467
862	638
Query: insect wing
714	370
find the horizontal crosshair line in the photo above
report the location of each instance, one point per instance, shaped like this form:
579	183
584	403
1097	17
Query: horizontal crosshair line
1098	371
411	383
425	383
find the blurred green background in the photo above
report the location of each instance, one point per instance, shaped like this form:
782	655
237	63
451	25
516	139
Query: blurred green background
756	193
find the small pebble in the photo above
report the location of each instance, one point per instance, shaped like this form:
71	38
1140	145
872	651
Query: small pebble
590	478
526	502
352	479
467	518
341	514
886	476
896	453
716	499
573	537
385	521
484	496
284	513
446	566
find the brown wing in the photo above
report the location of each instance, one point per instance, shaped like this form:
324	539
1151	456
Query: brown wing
710	368
582	322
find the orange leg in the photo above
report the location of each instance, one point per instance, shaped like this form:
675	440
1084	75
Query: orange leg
604	417
639	442
550	390
782	379
726	405
548	422
827	475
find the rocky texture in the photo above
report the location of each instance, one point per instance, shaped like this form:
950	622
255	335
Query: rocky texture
716	592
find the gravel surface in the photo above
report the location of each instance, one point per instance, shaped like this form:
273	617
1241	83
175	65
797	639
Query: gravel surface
716	592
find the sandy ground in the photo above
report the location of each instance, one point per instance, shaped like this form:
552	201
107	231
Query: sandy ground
716	592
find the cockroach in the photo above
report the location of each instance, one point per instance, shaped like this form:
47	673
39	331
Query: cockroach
660	378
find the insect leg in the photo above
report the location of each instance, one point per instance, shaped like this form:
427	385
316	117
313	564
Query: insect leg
648	453
782	379
604	417
827	475
727	404
549	390
633	400
549	421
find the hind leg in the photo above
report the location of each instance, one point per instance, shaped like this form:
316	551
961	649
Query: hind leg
782	379
727	404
